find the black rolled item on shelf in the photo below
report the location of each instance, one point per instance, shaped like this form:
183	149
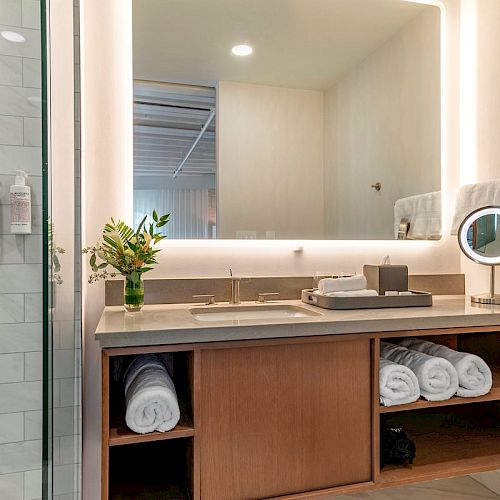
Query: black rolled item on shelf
396	447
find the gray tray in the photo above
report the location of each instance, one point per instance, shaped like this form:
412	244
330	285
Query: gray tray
417	299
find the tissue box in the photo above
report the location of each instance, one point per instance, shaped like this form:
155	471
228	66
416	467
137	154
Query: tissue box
386	277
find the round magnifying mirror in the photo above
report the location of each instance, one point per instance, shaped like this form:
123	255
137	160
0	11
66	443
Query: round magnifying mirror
479	239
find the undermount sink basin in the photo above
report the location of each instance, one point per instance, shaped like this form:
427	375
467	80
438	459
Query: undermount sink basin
256	312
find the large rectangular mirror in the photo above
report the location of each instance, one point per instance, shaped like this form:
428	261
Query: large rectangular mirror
288	119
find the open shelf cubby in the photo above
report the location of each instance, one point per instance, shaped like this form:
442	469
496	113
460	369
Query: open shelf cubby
449	441
147	471
493	395
484	345
180	367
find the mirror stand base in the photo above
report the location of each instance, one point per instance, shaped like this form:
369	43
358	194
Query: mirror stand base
486	298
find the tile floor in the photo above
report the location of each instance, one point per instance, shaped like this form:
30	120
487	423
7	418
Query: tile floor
459	488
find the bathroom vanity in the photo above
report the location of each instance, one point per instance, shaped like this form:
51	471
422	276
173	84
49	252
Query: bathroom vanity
289	407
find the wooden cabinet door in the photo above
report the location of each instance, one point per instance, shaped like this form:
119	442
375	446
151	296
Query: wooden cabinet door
284	419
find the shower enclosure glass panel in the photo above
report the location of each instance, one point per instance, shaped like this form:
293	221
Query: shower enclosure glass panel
39	272
62	332
21	269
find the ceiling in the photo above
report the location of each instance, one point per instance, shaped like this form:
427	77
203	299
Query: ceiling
167	120
297	43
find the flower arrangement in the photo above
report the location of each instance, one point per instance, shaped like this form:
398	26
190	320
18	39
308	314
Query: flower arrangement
130	253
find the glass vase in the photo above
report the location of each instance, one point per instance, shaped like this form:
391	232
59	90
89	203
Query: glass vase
133	296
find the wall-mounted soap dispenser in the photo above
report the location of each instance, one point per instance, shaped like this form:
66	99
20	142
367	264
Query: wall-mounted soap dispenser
20	205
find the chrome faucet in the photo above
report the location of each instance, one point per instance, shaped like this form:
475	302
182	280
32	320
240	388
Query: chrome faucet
264	297
235	289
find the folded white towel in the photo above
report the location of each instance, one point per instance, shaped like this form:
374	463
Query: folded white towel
150	396
423	211
398	384
437	378
329	285
351	293
474	196
474	375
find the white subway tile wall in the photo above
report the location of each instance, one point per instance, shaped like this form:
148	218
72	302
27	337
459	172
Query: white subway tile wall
11	428
11	70
20	258
12	486
21	280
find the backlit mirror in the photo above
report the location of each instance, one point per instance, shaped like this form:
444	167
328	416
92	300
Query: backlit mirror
288	119
479	239
479	236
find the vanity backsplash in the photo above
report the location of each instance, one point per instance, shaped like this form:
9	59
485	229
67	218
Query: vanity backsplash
181	290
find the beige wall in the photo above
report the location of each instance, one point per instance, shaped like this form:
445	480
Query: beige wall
485	16
382	124
107	167
487	21
270	161
488	84
106	58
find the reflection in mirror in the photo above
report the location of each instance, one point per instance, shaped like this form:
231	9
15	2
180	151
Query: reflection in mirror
328	127
483	237
174	157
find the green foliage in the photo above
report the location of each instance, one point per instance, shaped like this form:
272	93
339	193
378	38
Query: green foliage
54	252
131	253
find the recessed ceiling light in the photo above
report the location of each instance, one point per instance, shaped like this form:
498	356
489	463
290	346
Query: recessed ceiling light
242	50
12	36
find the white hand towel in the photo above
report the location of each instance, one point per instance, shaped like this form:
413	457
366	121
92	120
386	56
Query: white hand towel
398	384
437	378
329	285
474	196
423	211
150	396
474	375
354	293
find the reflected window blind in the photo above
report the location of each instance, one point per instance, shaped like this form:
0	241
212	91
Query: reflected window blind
189	208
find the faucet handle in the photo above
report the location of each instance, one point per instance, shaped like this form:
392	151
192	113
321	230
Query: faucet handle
208	299
263	297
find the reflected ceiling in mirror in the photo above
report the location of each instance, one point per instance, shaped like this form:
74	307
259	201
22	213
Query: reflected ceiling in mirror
328	126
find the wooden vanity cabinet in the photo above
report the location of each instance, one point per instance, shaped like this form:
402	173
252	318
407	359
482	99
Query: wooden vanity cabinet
293	419
284	419
259	419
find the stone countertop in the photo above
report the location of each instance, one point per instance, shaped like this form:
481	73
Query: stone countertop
174	324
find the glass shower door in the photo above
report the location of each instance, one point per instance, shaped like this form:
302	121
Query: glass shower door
61	251
22	294
40	423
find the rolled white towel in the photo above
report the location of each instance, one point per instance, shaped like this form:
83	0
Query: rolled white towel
398	384
329	285
437	378
150	396
474	375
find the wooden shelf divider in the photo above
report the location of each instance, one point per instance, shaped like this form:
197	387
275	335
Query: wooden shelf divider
123	435
493	395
